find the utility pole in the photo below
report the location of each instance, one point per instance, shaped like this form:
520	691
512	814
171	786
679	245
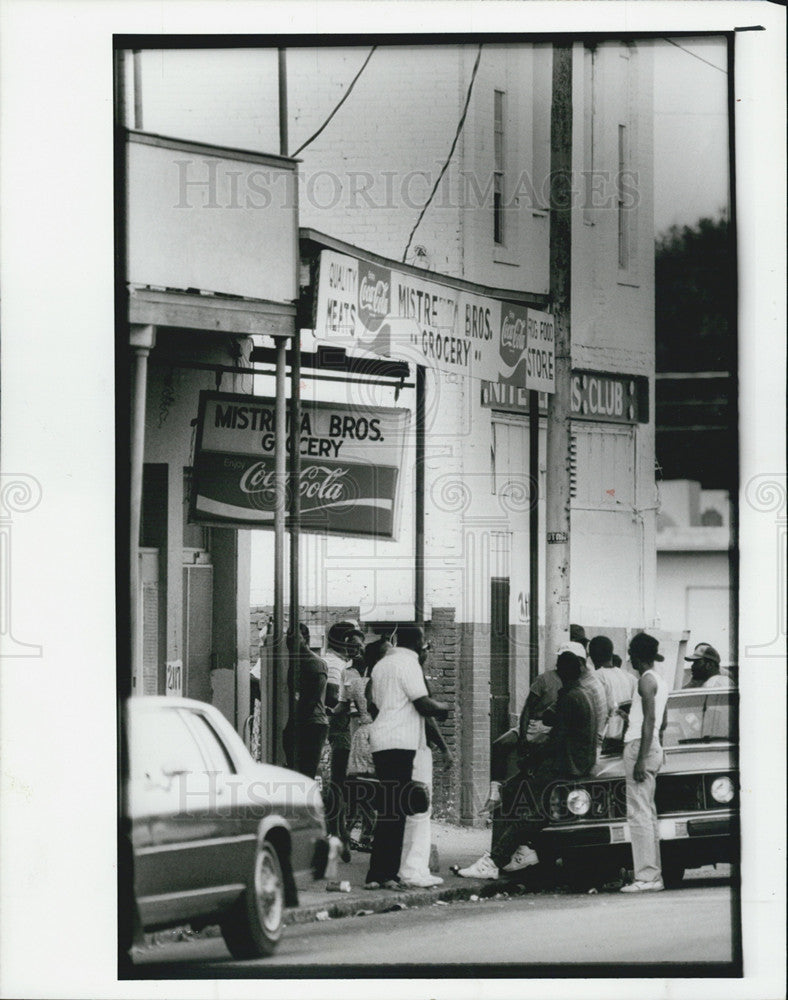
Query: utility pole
558	409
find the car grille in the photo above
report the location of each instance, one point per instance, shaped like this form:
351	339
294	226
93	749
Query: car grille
680	793
676	793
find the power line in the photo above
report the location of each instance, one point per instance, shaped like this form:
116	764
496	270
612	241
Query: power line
694	56
451	153
342	101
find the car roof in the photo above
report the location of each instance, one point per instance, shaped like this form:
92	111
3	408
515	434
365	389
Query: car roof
151	701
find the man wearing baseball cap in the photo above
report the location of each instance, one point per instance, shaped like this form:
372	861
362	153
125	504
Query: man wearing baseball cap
642	761
345	641
706	673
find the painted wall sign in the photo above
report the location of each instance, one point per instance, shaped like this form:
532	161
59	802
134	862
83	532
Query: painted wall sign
351	465
596	396
612	398
393	313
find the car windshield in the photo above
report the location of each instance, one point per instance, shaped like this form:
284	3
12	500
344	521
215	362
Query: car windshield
702	717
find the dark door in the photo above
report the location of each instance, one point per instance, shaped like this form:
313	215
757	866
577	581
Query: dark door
499	656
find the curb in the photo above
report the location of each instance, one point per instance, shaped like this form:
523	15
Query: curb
387	900
373	901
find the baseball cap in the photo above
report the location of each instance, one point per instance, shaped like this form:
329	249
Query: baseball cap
572	647
703	651
577	634
645	647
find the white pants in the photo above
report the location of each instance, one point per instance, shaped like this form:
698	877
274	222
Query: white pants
642	812
415	857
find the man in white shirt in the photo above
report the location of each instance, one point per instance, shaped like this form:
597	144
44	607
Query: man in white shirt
619	686
400	695
642	761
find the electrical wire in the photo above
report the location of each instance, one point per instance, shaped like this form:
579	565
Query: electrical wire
694	56
341	102
460	125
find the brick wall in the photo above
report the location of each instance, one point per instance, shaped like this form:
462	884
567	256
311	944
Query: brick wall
317	621
442	675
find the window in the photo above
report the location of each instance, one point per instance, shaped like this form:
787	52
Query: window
498	178
626	160
589	137
212	744
623	220
161	740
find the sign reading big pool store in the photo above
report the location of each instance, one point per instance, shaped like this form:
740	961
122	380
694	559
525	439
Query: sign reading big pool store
393	313
351	465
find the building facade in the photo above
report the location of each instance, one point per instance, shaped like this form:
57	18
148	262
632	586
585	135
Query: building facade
438	165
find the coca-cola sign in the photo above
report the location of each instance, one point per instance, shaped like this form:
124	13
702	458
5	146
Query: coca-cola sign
512	344
351	461
374	295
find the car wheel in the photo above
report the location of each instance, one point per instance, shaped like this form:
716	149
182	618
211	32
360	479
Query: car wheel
253	927
672	873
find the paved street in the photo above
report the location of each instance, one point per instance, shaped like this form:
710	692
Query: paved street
693	924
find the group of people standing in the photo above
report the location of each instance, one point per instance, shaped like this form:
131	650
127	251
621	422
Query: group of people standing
568	713
372	704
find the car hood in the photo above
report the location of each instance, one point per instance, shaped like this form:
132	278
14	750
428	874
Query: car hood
678	760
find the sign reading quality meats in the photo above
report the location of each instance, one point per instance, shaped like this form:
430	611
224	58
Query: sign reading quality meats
351	465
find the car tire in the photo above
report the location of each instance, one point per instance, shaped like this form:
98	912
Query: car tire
253	926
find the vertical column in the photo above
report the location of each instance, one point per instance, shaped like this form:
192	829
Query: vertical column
280	473
418	600
558	410
141	341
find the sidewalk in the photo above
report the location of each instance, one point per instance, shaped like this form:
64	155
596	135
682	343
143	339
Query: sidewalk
455	845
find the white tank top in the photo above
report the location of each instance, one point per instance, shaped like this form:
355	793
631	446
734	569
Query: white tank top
635	727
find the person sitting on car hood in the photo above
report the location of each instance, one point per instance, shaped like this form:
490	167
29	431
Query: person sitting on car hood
706	671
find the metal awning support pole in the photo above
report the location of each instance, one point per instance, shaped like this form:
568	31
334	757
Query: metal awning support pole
280	474
295	535
418	602
533	525
142	339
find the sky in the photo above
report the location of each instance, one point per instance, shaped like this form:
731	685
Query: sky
690	131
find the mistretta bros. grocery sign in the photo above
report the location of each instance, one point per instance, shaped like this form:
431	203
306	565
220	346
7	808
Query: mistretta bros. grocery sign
351	465
394	313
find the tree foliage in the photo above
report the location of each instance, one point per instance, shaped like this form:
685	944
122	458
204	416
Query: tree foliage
695	290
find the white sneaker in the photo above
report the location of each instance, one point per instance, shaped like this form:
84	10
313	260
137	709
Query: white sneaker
523	857
485	867
423	882
637	886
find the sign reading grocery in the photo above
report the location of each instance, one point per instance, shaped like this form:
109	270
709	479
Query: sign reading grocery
351	465
394	313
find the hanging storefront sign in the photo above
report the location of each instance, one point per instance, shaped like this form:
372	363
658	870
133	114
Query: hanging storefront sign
392	313
351	465
600	396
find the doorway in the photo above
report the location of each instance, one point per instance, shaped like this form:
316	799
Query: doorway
500	648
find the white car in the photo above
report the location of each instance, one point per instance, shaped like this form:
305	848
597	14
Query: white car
216	838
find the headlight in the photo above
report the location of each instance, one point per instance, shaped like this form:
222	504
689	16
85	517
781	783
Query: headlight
578	801
722	790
